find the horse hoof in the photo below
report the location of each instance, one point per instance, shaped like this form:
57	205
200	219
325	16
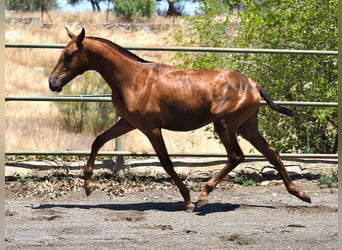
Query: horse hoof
189	208
306	197
91	189
201	203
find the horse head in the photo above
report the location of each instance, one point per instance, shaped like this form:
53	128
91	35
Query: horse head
72	62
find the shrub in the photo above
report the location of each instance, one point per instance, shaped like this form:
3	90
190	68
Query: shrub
87	117
132	9
275	24
245	179
29	5
330	180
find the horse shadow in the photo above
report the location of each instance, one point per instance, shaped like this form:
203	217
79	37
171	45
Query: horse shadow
210	208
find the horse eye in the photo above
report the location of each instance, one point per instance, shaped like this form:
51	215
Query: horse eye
67	56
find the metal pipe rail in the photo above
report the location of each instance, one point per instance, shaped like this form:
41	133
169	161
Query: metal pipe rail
146	154
189	49
62	98
107	98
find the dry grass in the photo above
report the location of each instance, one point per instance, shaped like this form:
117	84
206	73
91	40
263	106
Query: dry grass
36	126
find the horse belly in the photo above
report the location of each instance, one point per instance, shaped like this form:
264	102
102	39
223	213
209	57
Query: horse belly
184	119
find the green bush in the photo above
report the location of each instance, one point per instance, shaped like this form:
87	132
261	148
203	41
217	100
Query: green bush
87	117
245	179
329	180
29	5
294	25
133	9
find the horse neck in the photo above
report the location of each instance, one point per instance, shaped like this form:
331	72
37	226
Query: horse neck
115	68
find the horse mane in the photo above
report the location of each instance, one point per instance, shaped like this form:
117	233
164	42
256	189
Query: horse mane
119	49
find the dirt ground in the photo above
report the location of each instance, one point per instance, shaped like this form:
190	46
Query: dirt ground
149	215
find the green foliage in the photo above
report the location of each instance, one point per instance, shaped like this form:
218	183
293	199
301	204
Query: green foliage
29	5
208	30
245	179
330	181
26	179
133	9
87	117
276	24
294	25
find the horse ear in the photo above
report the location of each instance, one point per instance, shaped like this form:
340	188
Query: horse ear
70	34
80	37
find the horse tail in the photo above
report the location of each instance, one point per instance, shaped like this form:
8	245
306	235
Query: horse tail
273	105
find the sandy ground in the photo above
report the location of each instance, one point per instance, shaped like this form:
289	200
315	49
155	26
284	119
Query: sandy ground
151	216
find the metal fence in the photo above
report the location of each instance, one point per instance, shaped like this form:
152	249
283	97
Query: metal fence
106	98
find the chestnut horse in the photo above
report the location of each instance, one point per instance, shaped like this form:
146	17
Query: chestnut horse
151	96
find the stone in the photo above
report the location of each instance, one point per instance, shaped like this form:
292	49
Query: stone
269	172
293	170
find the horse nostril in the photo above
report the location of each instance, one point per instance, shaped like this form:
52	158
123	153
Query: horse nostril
53	87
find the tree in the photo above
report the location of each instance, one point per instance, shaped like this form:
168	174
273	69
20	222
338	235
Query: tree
94	3
30	5
129	10
277	24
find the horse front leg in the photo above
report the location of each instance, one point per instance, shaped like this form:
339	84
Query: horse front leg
158	144
120	128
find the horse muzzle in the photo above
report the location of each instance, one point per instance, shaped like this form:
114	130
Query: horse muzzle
55	83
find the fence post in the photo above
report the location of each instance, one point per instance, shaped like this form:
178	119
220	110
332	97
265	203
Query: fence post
119	146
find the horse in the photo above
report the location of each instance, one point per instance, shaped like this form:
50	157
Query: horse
151	96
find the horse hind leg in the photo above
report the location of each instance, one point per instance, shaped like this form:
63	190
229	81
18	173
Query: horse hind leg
250	132
235	157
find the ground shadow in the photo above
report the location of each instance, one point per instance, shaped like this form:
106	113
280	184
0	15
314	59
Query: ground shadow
161	206
226	207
